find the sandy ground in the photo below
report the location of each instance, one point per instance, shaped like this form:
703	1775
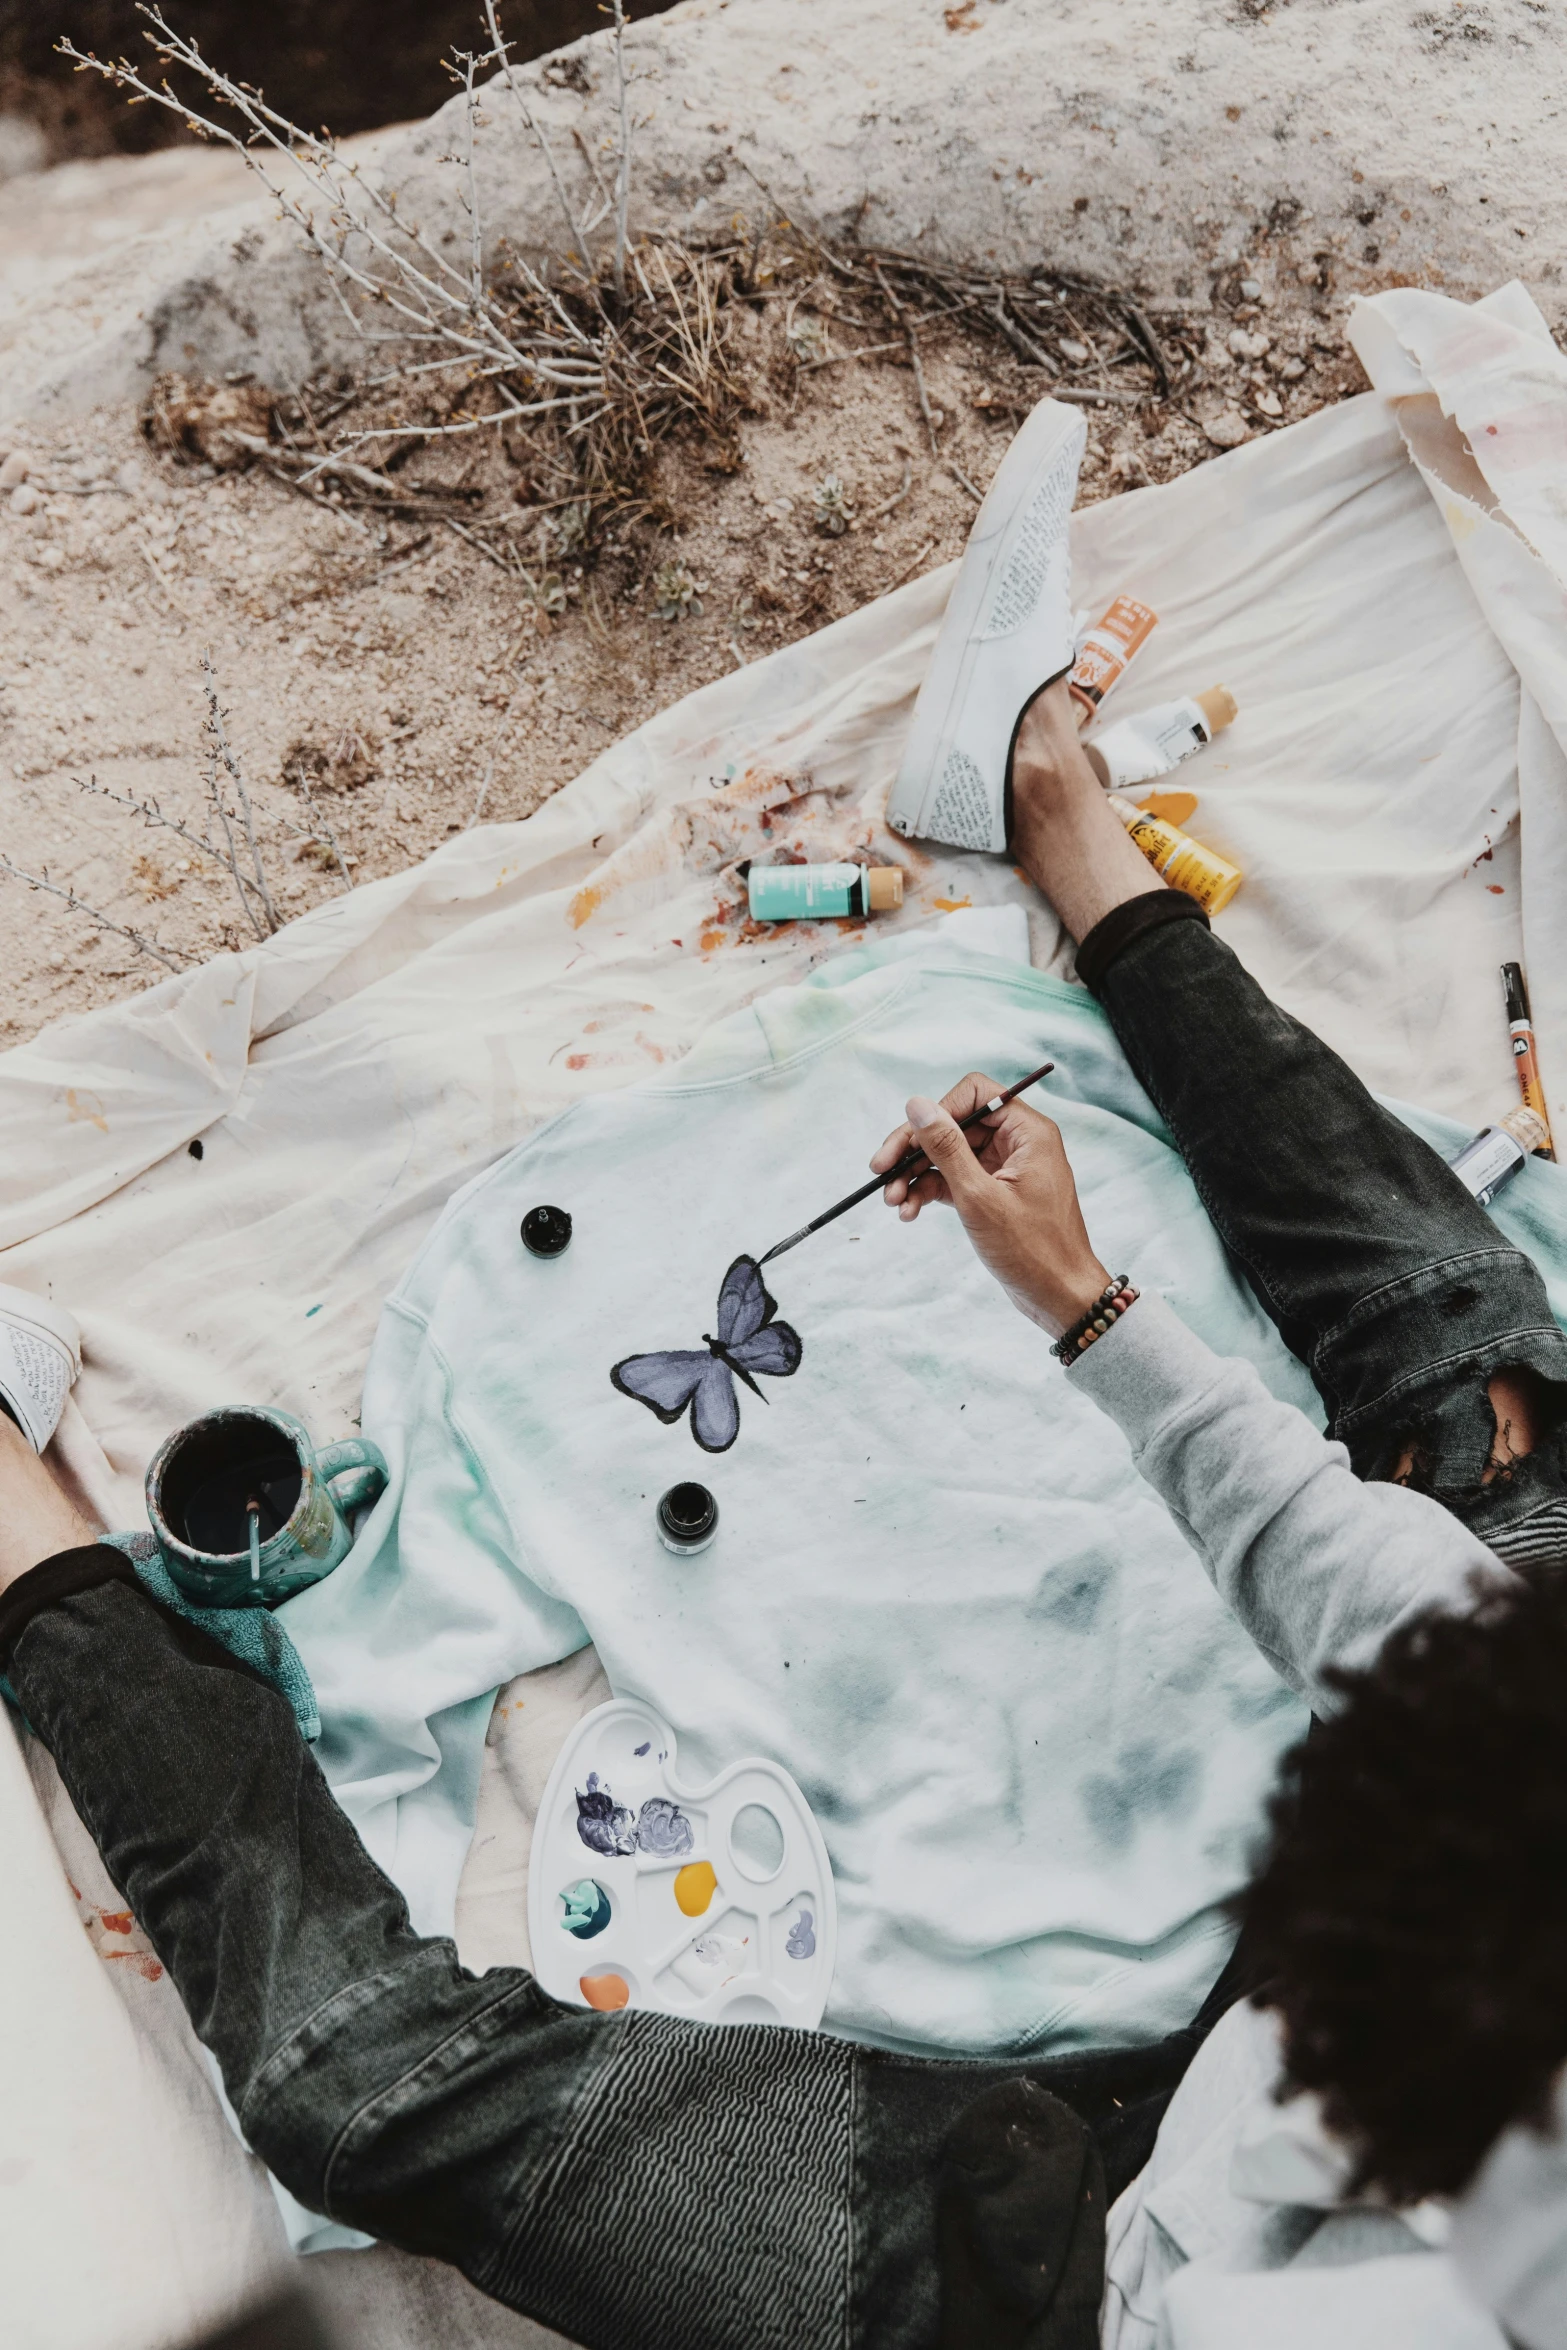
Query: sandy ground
409	678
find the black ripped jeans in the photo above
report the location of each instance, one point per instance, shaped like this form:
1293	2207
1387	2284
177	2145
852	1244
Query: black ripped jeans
644	2183
1382	1273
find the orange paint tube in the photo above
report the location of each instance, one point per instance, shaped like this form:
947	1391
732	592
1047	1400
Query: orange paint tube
1520	1028
1106	651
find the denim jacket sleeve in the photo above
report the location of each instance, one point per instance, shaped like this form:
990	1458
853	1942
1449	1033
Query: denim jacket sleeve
1319	1567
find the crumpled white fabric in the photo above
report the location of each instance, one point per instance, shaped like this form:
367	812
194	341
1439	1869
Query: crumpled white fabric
351	1073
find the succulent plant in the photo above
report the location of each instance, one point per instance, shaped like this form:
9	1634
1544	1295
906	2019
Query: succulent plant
807	337
567	528
676	595
833	511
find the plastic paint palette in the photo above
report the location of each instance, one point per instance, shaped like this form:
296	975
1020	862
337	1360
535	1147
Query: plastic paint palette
714	1902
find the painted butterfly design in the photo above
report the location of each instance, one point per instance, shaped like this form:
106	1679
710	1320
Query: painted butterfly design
748	1341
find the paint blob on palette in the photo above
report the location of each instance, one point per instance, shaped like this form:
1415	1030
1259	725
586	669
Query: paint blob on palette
712	1901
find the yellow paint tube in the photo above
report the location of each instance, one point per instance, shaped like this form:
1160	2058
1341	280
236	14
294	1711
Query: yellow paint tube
1183	862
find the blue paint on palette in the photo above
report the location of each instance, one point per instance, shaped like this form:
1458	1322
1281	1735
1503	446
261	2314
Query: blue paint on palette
663	1828
604	1825
801	1941
643	1748
585	1909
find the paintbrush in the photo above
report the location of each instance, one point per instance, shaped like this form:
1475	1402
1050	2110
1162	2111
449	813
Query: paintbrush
912	1162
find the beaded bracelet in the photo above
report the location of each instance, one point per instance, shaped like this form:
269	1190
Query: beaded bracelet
1100	1317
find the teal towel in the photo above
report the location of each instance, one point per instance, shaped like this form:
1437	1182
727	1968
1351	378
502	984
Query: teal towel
252	1634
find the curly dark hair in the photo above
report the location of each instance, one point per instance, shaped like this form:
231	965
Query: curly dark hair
1409	1919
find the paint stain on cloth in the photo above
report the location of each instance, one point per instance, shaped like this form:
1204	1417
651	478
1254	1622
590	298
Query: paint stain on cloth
118	1940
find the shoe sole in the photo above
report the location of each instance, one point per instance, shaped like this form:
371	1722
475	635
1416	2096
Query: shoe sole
957	645
50	1321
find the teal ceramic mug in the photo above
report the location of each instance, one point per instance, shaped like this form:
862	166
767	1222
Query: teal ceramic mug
247	1510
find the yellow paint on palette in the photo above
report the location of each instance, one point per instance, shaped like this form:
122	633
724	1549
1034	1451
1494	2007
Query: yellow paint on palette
605	1992
695	1887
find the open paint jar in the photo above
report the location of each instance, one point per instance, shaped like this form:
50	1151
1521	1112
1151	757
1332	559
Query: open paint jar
687	1519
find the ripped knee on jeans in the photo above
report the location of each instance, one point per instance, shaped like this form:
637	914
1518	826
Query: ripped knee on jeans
1525	1407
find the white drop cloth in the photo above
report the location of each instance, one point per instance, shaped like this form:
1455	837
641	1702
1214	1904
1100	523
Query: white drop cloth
349	1075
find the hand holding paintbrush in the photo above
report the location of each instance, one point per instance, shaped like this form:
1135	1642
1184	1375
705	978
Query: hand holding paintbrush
1015	1195
908	1166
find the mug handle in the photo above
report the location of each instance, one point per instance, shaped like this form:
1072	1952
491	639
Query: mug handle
354	1472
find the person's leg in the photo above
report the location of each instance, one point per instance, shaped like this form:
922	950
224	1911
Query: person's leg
1382	1273
639	2182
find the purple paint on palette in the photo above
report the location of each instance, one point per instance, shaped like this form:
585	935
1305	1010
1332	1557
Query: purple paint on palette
663	1828
801	1942
642	1749
604	1825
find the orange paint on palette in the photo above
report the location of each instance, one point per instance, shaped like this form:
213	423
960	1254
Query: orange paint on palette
586	903
605	1992
951	905
1173	806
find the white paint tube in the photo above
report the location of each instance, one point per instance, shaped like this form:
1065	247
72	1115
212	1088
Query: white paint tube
1141	749
1495	1156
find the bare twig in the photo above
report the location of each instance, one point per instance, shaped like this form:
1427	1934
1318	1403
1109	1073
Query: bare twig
220	751
897	498
143	945
865	351
1021	343
963	482
913	564
319	824
471	191
489	764
501	49
605	195
1093	395
919	386
1144	333
474	540
623	168
153	816
368	249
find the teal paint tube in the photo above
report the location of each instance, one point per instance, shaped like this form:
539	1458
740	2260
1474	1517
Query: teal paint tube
815	893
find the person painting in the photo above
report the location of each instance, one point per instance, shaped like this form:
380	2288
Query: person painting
644	2183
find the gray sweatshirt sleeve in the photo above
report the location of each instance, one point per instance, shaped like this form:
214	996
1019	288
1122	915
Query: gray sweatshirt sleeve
1319	1567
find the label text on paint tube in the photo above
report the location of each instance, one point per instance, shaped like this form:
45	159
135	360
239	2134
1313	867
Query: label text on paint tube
1107	648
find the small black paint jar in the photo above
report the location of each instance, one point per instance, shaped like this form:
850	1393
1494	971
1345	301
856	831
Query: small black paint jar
546	1231
687	1519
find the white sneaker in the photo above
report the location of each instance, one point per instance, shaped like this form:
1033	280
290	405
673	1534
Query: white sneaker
40	1355
1007	632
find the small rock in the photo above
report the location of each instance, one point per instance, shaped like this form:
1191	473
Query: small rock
1269	403
1075	354
128	478
1245	346
1293	370
16	469
25	499
1251	287
1228	429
